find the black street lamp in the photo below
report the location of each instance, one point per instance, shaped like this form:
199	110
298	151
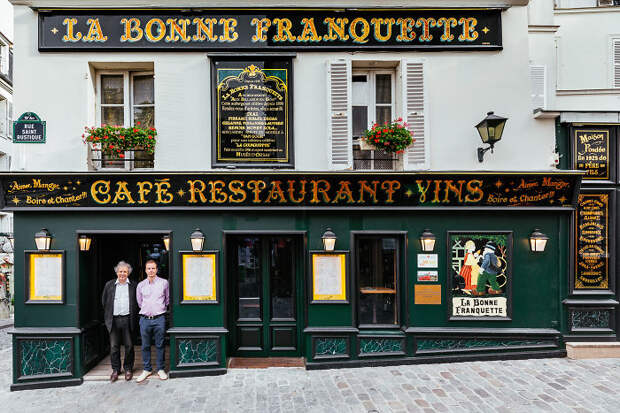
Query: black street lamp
490	130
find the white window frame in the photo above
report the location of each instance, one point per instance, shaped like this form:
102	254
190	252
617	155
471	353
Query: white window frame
371	112
4	58
128	105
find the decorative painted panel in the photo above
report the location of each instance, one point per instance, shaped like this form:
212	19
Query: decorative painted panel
381	345
331	346
464	344
43	356
590	319
196	351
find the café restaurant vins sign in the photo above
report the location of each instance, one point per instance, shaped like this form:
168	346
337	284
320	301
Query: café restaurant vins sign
288	190
249	29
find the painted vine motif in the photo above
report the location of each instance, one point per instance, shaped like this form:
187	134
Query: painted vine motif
480	274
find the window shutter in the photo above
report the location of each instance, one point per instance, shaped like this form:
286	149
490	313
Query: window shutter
538	74
616	62
417	156
10	120
339	114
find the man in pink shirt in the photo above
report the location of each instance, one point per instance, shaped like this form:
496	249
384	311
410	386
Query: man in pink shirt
153	298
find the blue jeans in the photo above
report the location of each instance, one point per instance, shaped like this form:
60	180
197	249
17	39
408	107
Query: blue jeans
149	329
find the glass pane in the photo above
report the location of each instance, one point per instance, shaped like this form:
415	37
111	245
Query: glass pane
249	277
360	120
143	90
377	267
384	114
112	115
112	89
361	159
384	88
144	115
143	159
282	281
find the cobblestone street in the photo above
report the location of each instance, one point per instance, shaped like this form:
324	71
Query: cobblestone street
558	385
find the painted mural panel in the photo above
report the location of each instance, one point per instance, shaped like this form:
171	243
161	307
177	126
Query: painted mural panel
480	268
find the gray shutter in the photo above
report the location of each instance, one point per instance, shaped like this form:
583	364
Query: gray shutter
616	62
339	114
538	85
414	110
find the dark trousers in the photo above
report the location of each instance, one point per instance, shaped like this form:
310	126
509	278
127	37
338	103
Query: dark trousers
153	332
121	332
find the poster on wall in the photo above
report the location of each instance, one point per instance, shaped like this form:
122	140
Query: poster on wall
480	275
592	242
45	277
252	113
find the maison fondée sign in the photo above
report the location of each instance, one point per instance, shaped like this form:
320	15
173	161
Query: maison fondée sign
289	190
251	29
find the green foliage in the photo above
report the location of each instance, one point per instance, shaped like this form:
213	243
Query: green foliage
114	140
390	137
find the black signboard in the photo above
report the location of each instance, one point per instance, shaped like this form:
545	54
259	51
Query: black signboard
252	113
29	128
289	190
276	29
592	243
591	148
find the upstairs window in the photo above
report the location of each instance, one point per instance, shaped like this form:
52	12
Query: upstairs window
125	99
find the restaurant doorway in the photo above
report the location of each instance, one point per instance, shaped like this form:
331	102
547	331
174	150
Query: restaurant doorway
265	287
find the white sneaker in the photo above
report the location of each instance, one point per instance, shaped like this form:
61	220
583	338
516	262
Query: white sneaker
162	375
143	376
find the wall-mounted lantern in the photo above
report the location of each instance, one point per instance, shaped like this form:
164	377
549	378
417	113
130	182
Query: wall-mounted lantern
538	241
490	130
329	240
427	241
43	239
197	239
166	242
84	241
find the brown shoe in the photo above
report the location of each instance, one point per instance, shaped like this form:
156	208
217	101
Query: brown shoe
113	376
128	375
494	292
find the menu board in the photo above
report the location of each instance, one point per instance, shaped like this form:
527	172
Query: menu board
591	148
252	113
45	277
592	245
199	277
329	277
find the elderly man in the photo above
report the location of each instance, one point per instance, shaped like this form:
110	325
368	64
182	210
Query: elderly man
120	310
153	298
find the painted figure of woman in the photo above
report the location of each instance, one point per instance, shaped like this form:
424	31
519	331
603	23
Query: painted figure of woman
470	268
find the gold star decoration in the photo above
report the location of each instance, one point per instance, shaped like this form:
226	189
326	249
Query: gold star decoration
562	200
181	193
15	200
408	192
486	30
54	30
65	188
498	184
78	182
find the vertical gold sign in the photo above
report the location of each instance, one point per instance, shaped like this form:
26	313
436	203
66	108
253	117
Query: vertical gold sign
592	244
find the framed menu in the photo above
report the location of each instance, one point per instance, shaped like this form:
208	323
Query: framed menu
329	277
45	277
199	277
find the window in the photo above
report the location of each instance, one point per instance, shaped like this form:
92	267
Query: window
4	58
6	118
361	92
126	99
372	102
377	268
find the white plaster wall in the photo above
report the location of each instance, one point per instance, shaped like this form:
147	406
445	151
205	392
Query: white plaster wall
540	12
462	87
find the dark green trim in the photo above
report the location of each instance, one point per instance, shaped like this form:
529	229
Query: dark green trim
197	372
46	384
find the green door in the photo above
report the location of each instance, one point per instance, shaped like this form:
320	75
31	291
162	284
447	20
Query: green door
267	295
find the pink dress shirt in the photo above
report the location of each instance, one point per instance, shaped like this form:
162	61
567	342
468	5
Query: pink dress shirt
153	298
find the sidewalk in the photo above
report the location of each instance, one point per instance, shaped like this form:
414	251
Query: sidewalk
6	323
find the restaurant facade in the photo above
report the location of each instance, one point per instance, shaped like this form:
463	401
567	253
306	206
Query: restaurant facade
281	232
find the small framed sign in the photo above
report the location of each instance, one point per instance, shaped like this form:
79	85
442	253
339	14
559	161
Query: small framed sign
199	277
427	261
329	277
29	128
45	277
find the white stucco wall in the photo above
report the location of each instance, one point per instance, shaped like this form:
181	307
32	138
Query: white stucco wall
461	87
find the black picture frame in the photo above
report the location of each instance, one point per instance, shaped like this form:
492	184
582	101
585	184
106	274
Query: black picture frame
347	275
611	147
262	61
217	290
450	275
28	256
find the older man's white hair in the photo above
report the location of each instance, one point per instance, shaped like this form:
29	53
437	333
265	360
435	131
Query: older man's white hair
123	264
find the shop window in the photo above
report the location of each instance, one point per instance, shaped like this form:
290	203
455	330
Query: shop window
364	92
372	102
377	266
126	99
